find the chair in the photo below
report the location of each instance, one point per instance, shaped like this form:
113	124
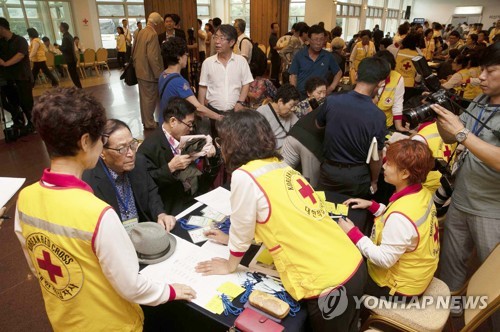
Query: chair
482	283
51	62
89	60
80	65
102	59
429	319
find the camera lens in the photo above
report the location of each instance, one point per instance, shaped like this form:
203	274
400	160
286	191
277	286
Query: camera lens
418	115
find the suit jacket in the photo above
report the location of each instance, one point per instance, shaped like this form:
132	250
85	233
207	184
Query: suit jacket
68	48
147	200
177	33
158	154
146	55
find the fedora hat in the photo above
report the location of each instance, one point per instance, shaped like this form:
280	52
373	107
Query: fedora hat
152	243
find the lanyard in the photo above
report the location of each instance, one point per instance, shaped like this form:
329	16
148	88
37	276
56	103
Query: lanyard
475	129
128	193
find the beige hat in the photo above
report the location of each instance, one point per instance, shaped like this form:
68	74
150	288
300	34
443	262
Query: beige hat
338	43
152	243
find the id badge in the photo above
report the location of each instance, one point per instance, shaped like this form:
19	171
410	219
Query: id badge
130	224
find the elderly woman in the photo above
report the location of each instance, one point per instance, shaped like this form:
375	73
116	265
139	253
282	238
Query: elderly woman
404	247
274	204
75	243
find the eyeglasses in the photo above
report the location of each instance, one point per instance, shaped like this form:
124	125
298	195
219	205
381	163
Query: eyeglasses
219	37
189	125
123	150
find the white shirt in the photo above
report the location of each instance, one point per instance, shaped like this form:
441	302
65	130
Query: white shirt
246	47
224	83
118	260
398	236
279	132
248	204
128	36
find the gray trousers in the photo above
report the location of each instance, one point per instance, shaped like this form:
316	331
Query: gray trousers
148	98
463	231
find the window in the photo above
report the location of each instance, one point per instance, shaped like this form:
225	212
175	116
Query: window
240	9
297	12
45	16
373	17
203	10
348	18
112	12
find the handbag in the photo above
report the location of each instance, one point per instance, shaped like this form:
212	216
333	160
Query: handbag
129	74
251	321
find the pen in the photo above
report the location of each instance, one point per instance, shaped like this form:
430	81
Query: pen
4	217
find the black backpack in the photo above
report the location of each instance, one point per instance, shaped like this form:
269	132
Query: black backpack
259	58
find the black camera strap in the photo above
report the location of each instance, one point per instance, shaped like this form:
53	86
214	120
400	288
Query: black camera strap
277	119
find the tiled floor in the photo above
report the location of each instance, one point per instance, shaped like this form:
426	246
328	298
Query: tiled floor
21	304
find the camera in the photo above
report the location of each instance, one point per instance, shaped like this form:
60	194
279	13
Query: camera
424	112
443	97
444	192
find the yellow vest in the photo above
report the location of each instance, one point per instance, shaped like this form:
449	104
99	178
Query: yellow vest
310	251
405	67
40	53
439	150
414	270
59	228
471	91
386	99
361	53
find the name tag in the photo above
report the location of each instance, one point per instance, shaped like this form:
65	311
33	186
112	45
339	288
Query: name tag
130	224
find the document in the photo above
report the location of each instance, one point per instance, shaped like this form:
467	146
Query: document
218	199
8	188
180	268
373	151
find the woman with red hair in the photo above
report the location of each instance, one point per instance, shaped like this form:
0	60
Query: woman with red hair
404	247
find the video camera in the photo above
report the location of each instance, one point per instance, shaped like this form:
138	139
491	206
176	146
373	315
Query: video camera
440	96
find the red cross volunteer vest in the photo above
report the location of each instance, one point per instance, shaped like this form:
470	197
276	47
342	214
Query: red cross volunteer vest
405	67
439	150
59	227
386	99
414	270
310	251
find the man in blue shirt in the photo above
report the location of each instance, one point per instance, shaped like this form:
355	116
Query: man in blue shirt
314	61
351	121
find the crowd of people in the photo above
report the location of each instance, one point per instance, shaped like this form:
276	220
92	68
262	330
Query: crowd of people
302	133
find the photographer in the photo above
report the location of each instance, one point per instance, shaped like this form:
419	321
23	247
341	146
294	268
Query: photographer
473	217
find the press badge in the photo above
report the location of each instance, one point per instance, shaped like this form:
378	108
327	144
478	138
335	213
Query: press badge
130	224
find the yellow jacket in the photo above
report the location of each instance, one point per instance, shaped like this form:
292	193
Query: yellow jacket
310	251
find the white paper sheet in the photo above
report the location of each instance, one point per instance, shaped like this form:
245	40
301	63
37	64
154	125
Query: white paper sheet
8	187
188	210
216	249
218	199
180	268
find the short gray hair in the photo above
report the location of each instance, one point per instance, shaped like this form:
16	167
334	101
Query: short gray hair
155	18
241	24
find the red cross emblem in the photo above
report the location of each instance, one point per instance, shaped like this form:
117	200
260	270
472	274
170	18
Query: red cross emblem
306	191
407	65
46	264
436	232
85	21
447	152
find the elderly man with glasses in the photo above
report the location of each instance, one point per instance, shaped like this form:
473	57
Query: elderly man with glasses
120	178
314	61
180	175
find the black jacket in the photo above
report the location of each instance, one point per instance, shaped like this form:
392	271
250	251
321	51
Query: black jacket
68	48
147	200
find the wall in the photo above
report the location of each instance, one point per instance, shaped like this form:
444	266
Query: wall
89	33
442	10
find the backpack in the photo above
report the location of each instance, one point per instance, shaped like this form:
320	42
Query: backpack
259	58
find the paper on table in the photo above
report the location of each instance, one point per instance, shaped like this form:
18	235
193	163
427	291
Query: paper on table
231	289
188	210
216	249
180	268
8	187
215	305
218	199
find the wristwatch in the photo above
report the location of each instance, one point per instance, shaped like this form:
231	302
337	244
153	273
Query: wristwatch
462	135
